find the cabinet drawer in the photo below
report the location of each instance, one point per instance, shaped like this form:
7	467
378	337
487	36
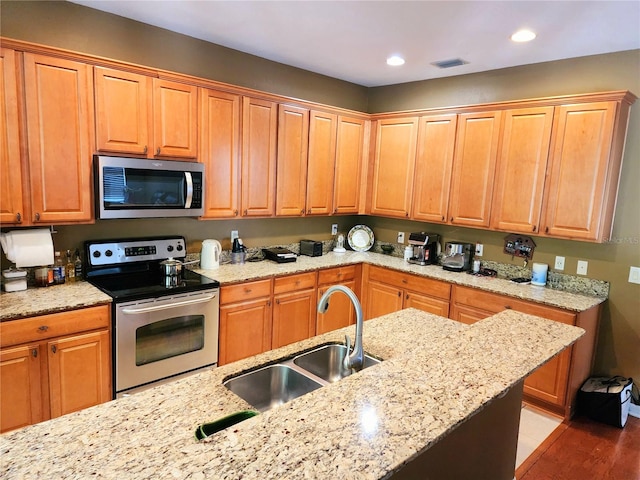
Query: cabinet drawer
294	282
245	291
336	275
495	303
427	286
42	327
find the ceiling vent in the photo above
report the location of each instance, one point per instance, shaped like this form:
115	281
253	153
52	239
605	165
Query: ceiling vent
454	62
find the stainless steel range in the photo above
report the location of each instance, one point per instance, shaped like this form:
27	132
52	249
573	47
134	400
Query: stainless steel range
162	327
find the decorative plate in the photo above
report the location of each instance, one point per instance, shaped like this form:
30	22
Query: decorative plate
360	238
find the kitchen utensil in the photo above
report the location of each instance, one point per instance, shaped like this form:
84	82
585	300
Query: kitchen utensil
360	238
238	251
172	267
210	254
339	248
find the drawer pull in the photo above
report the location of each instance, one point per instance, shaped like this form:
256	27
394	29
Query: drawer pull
399	294
507	307
247	290
158	151
34	352
43	328
54	349
404	280
146	149
18	217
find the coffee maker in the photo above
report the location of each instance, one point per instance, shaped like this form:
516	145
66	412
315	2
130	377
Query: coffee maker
425	248
457	256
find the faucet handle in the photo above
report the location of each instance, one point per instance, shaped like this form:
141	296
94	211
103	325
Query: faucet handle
347	342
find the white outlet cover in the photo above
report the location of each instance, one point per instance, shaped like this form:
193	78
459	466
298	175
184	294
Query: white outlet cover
559	265
334	229
479	249
634	275
582	267
234	235
400	237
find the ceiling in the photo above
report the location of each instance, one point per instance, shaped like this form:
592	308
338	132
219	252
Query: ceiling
351	40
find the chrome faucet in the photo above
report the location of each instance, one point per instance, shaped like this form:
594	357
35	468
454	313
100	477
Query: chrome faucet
355	359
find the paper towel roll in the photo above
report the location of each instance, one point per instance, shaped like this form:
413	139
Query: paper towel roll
28	248
539	276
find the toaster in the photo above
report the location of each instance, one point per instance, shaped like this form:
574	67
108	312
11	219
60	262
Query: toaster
310	248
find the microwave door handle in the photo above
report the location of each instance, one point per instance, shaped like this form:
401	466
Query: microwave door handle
135	311
189	189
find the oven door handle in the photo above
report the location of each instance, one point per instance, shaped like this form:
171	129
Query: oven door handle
134	311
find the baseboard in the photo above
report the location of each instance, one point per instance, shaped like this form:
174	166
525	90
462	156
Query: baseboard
634	410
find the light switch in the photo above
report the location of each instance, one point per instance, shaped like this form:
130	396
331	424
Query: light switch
582	267
634	274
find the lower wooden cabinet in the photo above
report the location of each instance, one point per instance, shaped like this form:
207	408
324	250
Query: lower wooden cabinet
554	385
294	308
341	312
388	291
52	365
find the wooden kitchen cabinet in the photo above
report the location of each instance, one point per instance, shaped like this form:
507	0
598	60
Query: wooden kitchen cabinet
521	168
554	385
220	152
11	170
474	166
584	170
293	143
341	312
54	364
59	117
259	138
434	159
141	115
294	309
245	320
321	162
350	153
394	166
388	291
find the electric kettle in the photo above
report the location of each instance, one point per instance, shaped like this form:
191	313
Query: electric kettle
210	254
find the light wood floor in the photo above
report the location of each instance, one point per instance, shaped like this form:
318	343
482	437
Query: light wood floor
583	449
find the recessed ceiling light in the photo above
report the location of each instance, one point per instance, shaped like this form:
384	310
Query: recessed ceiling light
395	60
523	35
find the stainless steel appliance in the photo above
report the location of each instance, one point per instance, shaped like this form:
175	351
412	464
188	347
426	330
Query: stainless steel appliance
160	329
141	188
458	257
425	248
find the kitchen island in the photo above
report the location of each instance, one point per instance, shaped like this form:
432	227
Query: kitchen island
437	376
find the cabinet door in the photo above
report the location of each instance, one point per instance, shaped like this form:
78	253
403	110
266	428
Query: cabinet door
321	163
348	168
293	143
426	303
340	313
59	110
521	168
175	119
579	170
11	206
395	157
467	314
436	140
79	372
294	317
220	152
474	168
122	111
20	387
259	135
382	299
245	329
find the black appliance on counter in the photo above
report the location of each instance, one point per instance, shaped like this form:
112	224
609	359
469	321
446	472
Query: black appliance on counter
425	248
162	326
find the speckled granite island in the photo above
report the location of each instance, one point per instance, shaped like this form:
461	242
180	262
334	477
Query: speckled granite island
437	377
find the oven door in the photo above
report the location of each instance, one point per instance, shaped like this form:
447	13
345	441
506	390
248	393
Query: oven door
165	336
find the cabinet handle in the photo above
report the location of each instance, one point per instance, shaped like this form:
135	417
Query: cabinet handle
507	307
406	214
309	212
37	217
278	301
158	151
399	294
302	211
533	229
146	149
18	217
452	219
247	290
404	280
235	213
43	328
34	352
546	230
407	297
268	303
335	210
245	211
443	218
54	349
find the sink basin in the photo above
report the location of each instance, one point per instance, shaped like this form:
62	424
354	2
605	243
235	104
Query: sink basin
326	362
271	386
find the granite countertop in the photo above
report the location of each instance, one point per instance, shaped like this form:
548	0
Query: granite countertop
436	374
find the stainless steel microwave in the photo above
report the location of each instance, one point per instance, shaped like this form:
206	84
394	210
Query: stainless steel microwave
147	188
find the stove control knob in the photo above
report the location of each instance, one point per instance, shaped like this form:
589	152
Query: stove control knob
96	254
170	248
108	253
179	247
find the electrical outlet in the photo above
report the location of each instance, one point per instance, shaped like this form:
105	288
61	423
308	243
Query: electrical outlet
479	249
234	235
634	274
559	263
582	267
400	237
334	229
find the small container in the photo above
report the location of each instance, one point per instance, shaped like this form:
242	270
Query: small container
42	276
58	270
14	280
539	274
237	257
476	266
408	253
69	268
77	266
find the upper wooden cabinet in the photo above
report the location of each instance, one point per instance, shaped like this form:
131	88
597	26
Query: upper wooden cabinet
474	168
434	158
59	113
148	116
393	166
11	201
350	152
584	170
259	137
321	162
293	141
220	152
520	172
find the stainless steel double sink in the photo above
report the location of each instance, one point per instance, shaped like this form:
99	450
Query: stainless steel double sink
272	385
